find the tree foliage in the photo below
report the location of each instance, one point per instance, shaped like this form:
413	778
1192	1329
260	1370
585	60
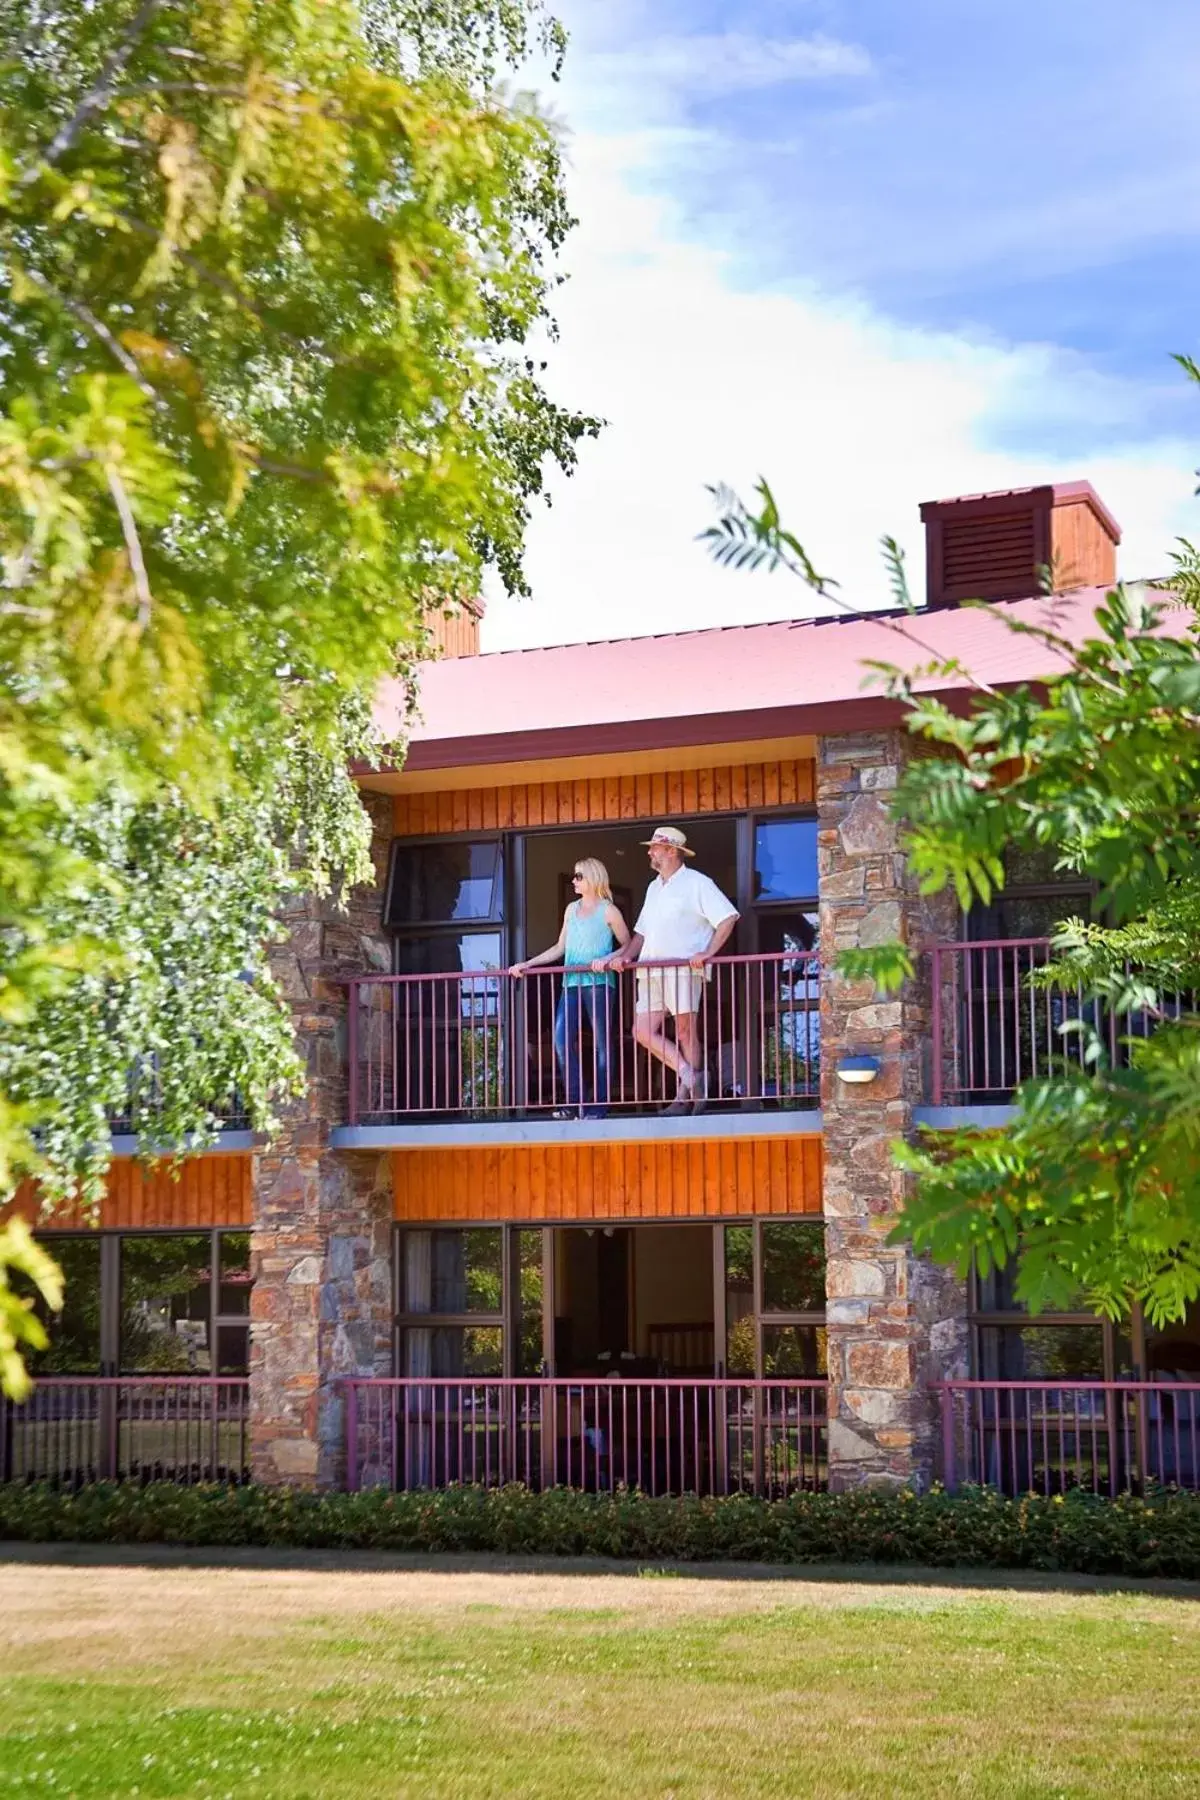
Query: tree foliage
1096	1182
269	274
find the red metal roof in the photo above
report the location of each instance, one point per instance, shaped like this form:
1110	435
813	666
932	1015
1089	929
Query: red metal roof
739	681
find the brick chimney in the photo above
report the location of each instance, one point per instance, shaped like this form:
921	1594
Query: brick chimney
455	633
995	546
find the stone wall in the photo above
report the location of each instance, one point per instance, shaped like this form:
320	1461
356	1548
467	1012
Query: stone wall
321	1303
895	1322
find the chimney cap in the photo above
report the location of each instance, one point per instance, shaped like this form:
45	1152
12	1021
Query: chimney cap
1050	494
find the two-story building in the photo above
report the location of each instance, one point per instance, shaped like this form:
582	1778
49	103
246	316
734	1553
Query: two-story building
447	1268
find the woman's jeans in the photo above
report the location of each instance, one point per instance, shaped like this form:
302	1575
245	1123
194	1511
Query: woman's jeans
579	1060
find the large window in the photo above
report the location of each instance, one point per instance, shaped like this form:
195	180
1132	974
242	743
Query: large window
151	1303
445	901
450	1301
75	1333
1062	1346
185	1303
785	924
785	884
775	1299
445	906
445	882
1035	896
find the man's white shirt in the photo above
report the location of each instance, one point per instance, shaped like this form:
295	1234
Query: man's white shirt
679	916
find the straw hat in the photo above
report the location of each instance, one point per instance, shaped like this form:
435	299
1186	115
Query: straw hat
669	834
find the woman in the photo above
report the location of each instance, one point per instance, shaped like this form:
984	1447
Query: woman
592	928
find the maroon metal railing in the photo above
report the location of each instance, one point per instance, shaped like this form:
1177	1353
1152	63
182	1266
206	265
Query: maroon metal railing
993	1030
76	1429
661	1436
491	1043
1050	1436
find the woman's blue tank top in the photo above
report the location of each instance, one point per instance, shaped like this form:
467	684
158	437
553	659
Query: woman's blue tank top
589	935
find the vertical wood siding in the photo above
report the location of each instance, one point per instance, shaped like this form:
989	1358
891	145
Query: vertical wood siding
607	799
720	1178
457	635
210	1190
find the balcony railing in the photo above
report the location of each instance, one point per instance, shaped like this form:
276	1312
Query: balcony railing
993	1030
491	1044
1047	1437
660	1436
77	1429
141	1111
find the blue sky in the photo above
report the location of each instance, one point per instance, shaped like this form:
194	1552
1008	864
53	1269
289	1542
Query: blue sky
884	251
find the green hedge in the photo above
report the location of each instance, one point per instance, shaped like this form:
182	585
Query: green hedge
1158	1535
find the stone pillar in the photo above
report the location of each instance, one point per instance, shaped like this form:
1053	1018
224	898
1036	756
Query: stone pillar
895	1321
321	1303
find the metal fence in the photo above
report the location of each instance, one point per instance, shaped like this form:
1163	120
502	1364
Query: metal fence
77	1429
992	1029
660	1436
1046	1437
485	1043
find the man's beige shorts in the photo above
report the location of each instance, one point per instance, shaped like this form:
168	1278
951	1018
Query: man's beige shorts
669	991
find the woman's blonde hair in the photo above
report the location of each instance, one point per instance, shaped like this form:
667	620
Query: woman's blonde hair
593	870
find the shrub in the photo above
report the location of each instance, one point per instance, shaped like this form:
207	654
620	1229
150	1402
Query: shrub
1158	1534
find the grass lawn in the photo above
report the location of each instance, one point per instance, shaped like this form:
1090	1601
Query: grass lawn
339	1679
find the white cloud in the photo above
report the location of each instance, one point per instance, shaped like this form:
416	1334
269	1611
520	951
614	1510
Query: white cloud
735	61
854	419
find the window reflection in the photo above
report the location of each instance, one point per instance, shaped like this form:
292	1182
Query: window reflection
1041	1352
782	932
74	1332
436	883
794	1267
797	1351
792	1281
233	1295
450	1350
452	953
996	1292
166	1304
785	859
451	1271
530	1277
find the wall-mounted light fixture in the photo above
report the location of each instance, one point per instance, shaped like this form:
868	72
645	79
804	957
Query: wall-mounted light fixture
858	1069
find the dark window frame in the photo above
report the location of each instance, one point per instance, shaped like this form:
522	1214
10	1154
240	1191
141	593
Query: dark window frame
492	926
501	1320
110	1240
1014	1318
508	1319
812	1318
512	841
1075	891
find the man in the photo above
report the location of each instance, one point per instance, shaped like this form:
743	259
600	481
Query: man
685	919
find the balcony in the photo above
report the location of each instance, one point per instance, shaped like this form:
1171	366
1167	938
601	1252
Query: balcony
657	1436
141	1114
74	1429
992	1030
1051	1437
490	1046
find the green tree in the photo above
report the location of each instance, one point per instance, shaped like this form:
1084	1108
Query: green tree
271	270
1096	1182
